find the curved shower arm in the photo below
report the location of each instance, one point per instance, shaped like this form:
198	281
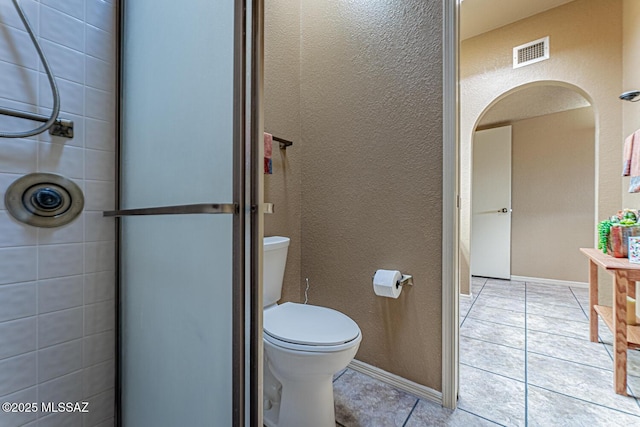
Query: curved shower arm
54	88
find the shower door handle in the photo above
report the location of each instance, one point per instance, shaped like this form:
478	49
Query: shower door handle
202	208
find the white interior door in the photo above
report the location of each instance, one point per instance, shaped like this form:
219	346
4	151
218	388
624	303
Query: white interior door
491	203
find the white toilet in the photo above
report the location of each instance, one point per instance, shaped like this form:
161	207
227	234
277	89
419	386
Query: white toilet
304	346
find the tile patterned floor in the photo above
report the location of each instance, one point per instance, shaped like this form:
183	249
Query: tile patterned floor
525	360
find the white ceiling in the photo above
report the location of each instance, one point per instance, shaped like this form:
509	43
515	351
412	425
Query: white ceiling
480	16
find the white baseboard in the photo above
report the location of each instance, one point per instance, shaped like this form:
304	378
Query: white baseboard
550	281
396	381
466	296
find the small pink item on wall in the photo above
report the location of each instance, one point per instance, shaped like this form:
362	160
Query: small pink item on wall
268	150
626	155
631	161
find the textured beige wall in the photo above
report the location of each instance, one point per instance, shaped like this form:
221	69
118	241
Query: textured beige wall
586	55
630	81
282	118
553	170
371	76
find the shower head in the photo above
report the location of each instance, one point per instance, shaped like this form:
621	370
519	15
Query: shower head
631	95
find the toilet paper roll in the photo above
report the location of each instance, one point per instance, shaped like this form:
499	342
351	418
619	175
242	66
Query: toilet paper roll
385	283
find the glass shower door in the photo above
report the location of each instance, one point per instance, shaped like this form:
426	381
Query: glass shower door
179	220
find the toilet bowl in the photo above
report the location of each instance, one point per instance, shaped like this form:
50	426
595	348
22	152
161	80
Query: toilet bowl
304	347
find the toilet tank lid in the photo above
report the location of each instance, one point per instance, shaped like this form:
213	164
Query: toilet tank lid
275	242
309	325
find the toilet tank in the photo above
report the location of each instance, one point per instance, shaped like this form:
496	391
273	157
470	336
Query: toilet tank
275	259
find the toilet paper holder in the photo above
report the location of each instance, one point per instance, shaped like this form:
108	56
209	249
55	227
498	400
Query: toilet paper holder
406	279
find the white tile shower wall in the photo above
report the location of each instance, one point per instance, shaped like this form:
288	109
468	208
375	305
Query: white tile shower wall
57	286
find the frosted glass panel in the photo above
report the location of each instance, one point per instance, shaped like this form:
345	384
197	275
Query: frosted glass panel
178	99
176	314
176	272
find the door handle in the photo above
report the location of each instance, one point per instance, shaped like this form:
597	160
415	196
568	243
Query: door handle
504	210
203	208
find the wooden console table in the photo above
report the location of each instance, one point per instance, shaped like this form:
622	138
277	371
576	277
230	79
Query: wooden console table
625	276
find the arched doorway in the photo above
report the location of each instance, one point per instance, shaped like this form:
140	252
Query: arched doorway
551	128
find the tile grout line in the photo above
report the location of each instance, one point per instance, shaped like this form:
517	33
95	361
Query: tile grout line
496	323
492	373
341	374
38	237
538	354
532	301
585	401
633	394
411	412
528	293
491	342
585	322
571	361
555	305
504	309
579	304
601	342
480	416
472	302
560	335
534	330
574	362
84	214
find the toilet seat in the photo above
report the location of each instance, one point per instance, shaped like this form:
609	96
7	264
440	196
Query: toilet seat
309	328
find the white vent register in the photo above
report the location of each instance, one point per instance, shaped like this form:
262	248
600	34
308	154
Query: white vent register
530	53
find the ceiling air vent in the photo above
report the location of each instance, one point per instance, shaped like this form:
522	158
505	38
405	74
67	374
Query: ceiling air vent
530	53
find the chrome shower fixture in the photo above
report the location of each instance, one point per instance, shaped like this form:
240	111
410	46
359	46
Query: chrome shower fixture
56	126
631	95
44	200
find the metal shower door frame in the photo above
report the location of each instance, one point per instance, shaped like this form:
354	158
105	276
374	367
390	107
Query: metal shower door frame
247	212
